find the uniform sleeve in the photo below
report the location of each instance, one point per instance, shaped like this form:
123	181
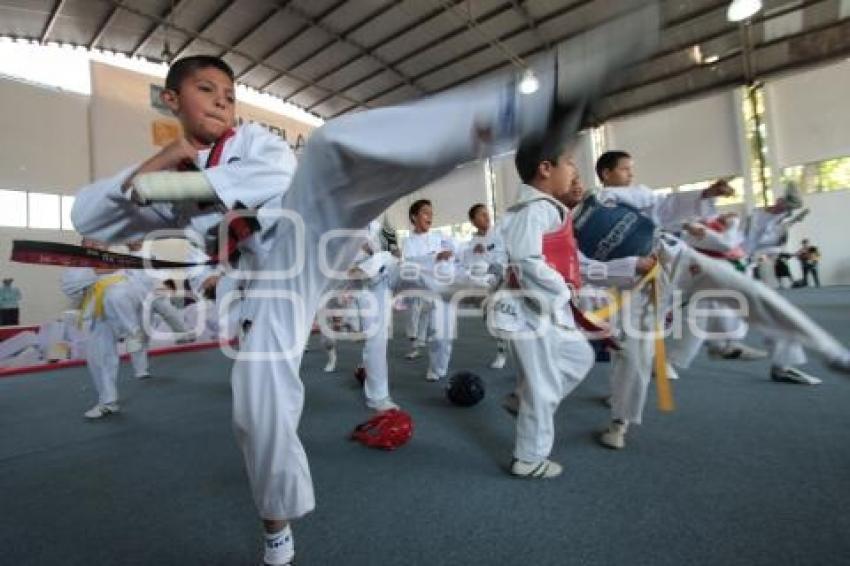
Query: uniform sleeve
263	173
673	209
498	255
75	281
667	211
717	241
197	275
102	212
621	272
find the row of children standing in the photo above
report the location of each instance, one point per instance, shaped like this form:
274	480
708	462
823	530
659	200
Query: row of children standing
347	177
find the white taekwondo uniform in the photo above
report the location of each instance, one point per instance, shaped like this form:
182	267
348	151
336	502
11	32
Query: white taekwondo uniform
553	363
352	169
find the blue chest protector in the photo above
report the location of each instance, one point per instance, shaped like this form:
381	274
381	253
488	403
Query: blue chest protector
610	230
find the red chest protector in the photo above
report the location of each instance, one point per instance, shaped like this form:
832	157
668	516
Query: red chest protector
561	252
733	254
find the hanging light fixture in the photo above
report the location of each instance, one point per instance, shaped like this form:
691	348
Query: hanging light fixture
529	83
740	10
167	55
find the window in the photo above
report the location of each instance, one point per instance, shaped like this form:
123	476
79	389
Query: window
462	232
44	211
754	110
13	209
822	176
67	205
21	209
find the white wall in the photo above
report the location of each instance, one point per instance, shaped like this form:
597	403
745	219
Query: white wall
54	141
683	143
506	182
44	138
809	114
827	227
42	298
451	195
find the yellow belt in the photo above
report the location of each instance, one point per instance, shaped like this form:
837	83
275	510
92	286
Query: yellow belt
662	385
97	293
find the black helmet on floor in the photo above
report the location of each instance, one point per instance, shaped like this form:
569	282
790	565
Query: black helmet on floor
465	389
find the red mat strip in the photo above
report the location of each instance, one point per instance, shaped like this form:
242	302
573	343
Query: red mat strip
50	366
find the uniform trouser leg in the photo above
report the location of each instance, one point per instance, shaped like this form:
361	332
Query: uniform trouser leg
139	361
414	311
352	169
631	366
420	320
724	325
423	322
441	335
325	341
17	343
710	322
631	371
761	307
122	307
102	360
169	313
376	327
549	368
786	353
49	335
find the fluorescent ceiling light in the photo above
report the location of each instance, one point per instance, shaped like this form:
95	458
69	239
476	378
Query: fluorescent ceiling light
529	83
740	10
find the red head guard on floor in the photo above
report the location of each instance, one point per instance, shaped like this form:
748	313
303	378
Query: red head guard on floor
387	430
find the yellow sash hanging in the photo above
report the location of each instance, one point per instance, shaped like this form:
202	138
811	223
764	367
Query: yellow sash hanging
97	293
662	385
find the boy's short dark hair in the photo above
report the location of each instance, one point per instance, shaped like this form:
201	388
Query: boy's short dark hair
532	153
184	67
416	207
609	160
473	210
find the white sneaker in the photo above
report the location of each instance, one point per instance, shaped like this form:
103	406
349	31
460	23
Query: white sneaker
615	436
544	469
331	365
99	411
134	342
738	351
279	548
144	376
385	404
792	375
413	354
431	375
671	373
499	362
510	403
